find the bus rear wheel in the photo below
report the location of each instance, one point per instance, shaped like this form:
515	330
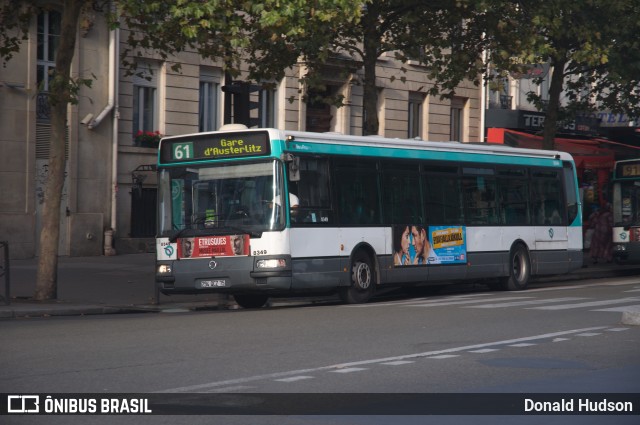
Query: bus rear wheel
362	281
251	300
519	269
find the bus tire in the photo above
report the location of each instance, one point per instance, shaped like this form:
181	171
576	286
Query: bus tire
362	281
251	300
519	269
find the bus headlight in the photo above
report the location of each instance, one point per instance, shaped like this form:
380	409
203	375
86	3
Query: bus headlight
164	269
272	263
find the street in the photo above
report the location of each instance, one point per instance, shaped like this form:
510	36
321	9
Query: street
552	338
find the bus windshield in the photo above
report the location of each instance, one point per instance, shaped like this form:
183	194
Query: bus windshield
220	199
626	207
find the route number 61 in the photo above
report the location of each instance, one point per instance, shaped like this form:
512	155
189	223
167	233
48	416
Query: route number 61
183	151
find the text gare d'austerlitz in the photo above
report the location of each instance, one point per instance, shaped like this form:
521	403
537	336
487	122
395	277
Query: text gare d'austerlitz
583	405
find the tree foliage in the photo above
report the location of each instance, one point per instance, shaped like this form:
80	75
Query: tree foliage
445	36
217	29
591	46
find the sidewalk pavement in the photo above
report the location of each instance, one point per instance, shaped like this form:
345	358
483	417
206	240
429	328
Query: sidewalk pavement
125	284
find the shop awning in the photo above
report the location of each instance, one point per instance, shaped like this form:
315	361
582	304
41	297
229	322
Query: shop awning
588	153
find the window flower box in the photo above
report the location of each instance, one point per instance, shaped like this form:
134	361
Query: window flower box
147	139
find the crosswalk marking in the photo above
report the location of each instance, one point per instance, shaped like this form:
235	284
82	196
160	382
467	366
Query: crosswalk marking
587	304
530	302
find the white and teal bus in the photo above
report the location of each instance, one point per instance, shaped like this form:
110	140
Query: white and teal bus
626	211
371	212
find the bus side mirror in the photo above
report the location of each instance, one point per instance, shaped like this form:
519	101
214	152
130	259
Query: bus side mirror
294	166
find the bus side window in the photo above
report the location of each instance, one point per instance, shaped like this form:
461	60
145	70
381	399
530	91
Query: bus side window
570	190
513	201
480	193
357	193
401	198
548	207
442	195
313	192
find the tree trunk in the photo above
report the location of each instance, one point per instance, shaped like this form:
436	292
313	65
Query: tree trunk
59	98
370	91
551	119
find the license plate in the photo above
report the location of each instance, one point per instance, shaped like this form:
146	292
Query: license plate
218	283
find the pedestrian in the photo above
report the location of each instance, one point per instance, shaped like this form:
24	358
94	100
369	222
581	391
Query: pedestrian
602	240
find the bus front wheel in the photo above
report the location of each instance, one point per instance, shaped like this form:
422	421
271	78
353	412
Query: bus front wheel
519	269
251	300
362	281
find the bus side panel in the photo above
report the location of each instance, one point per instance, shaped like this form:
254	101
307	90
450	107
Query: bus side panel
488	248
315	257
551	251
321	256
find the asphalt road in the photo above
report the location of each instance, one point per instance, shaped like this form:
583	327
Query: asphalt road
552	338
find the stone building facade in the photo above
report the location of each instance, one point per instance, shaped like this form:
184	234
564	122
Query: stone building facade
110	180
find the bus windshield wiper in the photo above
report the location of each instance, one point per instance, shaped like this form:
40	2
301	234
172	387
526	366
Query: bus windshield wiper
185	230
252	233
212	231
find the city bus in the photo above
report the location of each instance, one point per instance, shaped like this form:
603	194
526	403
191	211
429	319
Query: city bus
259	213
626	211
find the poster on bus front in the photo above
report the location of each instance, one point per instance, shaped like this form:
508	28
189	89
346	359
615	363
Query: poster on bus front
415	245
214	246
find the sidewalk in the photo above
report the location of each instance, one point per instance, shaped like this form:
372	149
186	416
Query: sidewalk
125	284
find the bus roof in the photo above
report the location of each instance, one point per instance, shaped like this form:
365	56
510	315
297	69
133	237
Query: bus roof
418	144
332	138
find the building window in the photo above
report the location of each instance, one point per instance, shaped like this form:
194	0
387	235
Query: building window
209	101
267	108
414	122
456	130
49	23
145	99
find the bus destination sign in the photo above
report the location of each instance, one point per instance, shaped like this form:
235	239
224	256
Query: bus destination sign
215	146
628	169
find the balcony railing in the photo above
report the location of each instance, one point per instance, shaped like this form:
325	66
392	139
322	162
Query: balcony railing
43	108
505	101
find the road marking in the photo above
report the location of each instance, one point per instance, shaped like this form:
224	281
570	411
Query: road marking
522	344
582	286
589	334
484	350
622	308
294	379
588	304
290	373
229	389
349	370
617	329
398	363
531	302
429	300
445	303
444	356
561	339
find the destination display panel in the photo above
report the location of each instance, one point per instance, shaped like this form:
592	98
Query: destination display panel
214	146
